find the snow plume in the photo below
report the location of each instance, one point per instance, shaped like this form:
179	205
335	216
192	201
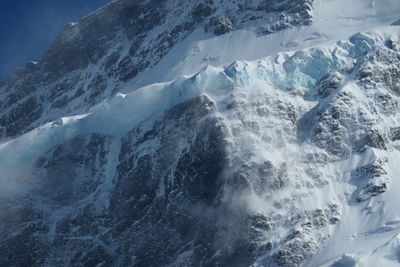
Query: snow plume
15	176
265	157
19	156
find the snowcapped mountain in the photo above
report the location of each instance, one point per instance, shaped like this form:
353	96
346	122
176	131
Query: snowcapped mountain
207	133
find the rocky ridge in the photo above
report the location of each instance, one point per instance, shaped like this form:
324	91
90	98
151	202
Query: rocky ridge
91	60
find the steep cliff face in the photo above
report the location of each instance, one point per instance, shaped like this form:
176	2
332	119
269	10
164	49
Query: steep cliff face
284	160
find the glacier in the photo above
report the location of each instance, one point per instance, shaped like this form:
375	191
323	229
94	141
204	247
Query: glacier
239	149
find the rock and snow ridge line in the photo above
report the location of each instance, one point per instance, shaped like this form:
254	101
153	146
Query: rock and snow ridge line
304	68
92	60
51	91
128	110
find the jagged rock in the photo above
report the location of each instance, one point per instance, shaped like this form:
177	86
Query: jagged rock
387	77
219	25
395	134
374	179
20	115
372	190
370	171
392	44
295	252
372	139
202	10
333	214
328	84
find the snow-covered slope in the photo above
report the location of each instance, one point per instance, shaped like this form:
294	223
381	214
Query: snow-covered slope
270	144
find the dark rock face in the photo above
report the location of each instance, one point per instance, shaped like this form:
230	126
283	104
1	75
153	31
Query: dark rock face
332	121
167	193
388	76
219	25
22	248
21	115
328	84
372	139
372	190
374	178
297	245
328	126
394	134
142	215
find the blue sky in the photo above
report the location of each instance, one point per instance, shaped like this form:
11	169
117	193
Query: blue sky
27	27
